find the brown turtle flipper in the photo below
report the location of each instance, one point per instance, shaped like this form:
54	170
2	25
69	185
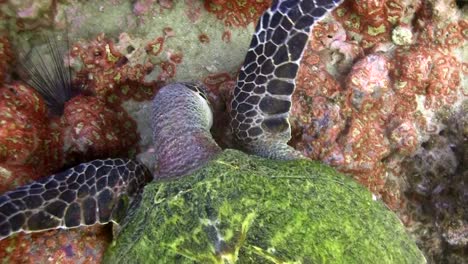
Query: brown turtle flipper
266	81
99	191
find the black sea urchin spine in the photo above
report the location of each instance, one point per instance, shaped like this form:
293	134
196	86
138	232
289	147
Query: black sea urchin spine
44	69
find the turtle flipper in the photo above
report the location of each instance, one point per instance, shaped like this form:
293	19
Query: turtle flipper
99	191
262	97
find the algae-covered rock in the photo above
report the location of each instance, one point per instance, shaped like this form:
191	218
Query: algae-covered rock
246	209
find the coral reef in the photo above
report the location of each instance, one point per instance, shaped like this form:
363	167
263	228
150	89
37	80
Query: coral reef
110	76
84	245
28	148
396	66
6	57
370	92
33	144
28	14
109	71
91	129
367	108
438	190
237	13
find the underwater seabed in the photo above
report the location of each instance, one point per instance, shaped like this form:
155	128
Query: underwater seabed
381	96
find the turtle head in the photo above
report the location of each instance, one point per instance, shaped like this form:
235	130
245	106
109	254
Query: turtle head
181	120
202	94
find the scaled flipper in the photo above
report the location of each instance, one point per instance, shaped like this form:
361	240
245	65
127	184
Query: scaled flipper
263	94
96	192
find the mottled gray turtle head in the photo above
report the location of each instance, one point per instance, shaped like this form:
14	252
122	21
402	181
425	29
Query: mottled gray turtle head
181	120
263	95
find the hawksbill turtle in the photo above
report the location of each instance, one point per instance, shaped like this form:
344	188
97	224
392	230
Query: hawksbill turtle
103	191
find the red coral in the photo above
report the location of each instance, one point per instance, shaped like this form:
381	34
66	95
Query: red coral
213	81
365	146
237	13
444	82
168	71
92	129
369	7
6	57
322	111
316	119
220	87
423	70
413	67
313	79
108	75
27	143
405	138
155	47
368	81
324	33
176	58
329	41
226	37
319	130
193	10
374	20
203	38
16	175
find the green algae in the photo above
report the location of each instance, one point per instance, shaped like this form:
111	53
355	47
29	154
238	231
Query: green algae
245	209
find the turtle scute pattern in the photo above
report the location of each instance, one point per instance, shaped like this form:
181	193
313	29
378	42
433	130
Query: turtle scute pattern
262	97
99	191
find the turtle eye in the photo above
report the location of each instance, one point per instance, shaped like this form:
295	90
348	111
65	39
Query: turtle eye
203	94
198	89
